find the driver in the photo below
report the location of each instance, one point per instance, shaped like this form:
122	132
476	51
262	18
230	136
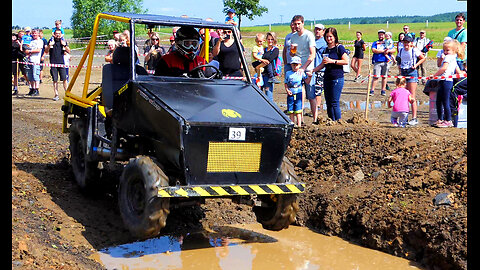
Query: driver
183	59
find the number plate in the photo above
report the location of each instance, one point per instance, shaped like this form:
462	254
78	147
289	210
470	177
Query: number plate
236	134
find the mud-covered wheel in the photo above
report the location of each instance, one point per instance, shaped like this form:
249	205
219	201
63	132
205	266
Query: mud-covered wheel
143	213
85	171
278	211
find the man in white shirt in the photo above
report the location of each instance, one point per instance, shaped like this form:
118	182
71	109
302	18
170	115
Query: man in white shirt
33	69
305	41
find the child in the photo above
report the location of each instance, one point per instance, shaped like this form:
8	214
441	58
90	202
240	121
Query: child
400	98
389	44
447	68
293	87
257	53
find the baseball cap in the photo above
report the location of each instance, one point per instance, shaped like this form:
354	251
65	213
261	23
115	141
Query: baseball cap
231	10
28	29
319	26
408	39
296	60
381	31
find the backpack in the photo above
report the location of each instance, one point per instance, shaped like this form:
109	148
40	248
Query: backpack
277	65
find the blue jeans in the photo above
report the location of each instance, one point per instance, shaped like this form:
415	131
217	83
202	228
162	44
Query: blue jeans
267	88
443	100
332	91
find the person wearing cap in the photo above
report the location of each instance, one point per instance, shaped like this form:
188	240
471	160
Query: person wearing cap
408	64
380	62
231	17
27	38
315	89
294	80
421	44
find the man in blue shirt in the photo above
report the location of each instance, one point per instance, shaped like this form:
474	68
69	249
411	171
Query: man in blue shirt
380	62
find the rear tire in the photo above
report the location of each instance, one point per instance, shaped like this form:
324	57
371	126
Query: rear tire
142	211
85	171
279	211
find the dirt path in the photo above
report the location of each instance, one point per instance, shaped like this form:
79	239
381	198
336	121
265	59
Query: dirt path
367	182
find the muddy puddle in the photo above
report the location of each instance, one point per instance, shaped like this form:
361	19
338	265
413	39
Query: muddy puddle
248	247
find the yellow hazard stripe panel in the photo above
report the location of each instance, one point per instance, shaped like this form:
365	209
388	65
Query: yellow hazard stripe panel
233	157
233	190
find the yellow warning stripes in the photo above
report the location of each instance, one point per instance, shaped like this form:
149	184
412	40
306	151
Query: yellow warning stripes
230	190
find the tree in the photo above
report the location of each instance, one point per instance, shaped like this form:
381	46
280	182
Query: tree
85	12
248	8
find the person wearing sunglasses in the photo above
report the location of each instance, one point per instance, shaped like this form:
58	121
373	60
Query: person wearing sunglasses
153	52
183	59
227	54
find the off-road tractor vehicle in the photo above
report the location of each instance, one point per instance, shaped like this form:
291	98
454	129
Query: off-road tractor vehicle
180	140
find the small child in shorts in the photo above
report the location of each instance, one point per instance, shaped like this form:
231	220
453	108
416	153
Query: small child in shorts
293	86
257	53
401	98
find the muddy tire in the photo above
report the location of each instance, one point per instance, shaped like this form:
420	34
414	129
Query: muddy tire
143	213
85	171
279	211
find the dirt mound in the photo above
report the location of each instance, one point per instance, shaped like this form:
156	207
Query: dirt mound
376	186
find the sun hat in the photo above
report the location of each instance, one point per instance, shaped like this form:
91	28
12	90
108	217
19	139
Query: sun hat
296	60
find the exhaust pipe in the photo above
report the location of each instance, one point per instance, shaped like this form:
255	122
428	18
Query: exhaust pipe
106	153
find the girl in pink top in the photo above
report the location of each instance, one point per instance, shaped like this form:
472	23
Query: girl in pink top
401	98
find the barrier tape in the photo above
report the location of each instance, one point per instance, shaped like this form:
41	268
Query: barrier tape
455	76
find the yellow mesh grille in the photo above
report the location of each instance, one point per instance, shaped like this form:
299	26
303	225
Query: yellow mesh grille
233	157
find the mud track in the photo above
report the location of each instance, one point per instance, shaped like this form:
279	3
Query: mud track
366	182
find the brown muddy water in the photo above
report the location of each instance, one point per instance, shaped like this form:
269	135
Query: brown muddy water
248	247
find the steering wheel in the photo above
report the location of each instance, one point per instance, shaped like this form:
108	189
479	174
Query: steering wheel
197	71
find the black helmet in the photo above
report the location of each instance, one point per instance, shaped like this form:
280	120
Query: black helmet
187	40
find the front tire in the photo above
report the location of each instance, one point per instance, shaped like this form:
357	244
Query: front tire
142	211
279	211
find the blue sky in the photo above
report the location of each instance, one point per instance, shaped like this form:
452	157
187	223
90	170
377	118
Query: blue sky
45	12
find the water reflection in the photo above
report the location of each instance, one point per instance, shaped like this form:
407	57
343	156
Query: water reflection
247	247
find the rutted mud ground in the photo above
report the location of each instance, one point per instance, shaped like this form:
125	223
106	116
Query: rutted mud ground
366	182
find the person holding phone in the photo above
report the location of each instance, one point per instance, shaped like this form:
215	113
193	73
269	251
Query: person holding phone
227	54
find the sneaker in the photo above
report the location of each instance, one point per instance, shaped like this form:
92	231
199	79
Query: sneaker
372	92
273	80
445	124
56	98
413	122
15	92
35	93
30	92
383	93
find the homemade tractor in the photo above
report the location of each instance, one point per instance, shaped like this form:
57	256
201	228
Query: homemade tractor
181	139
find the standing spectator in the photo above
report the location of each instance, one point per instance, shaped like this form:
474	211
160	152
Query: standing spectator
406	30
33	68
286	49
294	79
401	36
335	56
305	41
316	87
408	67
42	58
15	57
227	55
460	34
400	98
58	25
154	53
269	57
27	38
421	43
380	62
357	58
57	48
111	44
22	56
449	66
231	18
66	60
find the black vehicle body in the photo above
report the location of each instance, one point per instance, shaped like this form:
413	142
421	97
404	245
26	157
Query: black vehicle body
183	137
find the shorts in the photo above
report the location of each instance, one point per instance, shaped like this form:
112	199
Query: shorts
294	103
55	71
380	68
410	72
33	72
